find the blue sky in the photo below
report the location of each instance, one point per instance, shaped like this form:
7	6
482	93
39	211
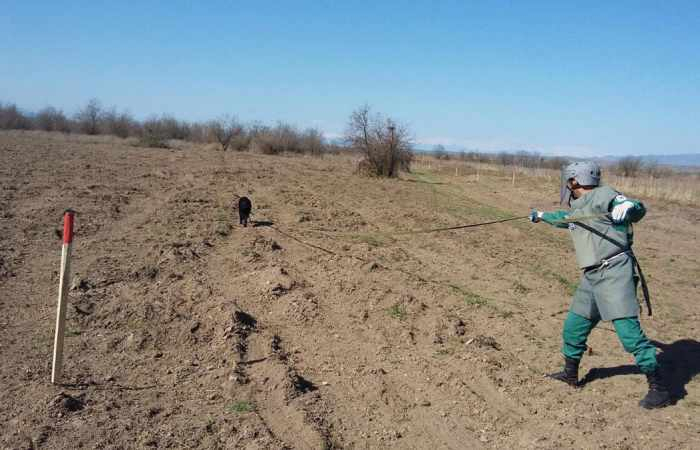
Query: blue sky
595	78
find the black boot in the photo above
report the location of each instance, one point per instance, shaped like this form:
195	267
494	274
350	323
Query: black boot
658	395
570	373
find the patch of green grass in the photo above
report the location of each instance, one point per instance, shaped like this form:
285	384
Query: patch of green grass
475	300
442	352
398	311
470	298
423	176
570	286
240	407
73	333
370	239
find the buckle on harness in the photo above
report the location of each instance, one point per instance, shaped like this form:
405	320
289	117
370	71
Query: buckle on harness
606	262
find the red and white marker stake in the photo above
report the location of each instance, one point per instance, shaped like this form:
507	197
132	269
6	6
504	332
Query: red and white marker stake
68	217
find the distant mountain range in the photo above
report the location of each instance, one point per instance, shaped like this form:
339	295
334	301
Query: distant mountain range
677	160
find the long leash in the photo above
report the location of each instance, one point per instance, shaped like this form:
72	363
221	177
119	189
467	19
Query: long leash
423	231
460	227
456	227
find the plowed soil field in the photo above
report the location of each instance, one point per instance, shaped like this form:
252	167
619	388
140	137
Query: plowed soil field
315	327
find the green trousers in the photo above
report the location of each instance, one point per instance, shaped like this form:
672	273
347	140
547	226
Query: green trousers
629	331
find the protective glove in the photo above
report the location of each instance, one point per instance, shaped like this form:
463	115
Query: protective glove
535	216
619	212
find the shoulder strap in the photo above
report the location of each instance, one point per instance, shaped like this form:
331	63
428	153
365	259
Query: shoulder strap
642	280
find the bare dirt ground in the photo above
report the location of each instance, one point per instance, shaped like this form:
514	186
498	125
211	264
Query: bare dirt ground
188	331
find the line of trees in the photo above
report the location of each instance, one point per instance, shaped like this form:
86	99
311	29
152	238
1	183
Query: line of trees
632	166
520	158
629	166
386	146
227	132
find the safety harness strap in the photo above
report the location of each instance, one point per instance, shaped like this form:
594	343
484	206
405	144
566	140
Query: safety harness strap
638	268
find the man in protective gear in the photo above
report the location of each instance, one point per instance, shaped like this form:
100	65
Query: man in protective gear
600	221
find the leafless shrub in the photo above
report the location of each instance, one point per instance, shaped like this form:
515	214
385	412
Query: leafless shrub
273	141
11	118
506	159
166	127
555	162
119	124
241	142
656	170
629	166
224	130
150	140
386	147
284	138
88	118
439	152
52	119
312	142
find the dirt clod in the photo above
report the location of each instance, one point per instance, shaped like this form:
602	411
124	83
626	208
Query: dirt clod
65	404
487	342
81	284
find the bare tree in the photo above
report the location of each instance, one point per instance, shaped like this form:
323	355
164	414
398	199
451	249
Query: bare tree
119	124
439	152
656	170
386	146
52	119
506	159
312	142
12	118
89	117
629	166
223	130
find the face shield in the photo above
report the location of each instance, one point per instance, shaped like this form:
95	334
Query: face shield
565	193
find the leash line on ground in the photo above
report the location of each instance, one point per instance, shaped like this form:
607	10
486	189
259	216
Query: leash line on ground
429	230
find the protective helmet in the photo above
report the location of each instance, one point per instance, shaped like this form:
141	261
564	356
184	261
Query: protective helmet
586	173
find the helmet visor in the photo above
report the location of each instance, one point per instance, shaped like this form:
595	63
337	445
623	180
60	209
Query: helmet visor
564	191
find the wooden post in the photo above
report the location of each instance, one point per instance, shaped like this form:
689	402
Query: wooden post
513	176
63	281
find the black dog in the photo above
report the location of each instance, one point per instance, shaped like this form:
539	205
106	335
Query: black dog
245	206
